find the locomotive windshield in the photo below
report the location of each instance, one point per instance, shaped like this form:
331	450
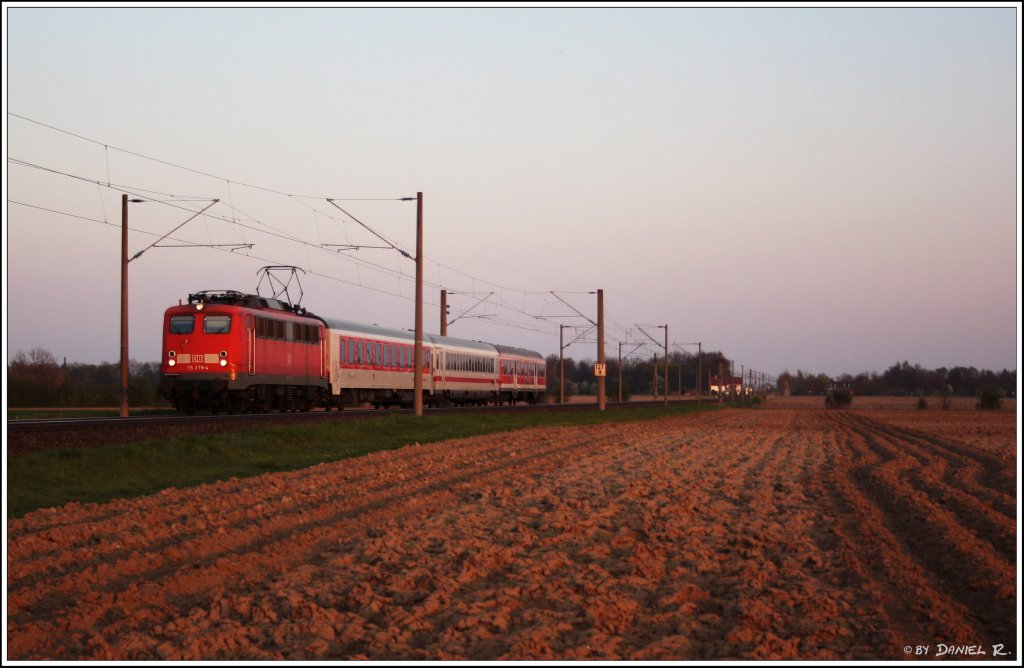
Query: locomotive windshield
182	324
217	324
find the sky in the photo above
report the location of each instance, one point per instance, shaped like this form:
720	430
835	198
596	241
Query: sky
827	189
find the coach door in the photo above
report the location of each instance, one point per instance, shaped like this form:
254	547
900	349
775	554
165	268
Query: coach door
323	352
251	345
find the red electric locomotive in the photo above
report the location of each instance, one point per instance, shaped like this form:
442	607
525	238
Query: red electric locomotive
229	351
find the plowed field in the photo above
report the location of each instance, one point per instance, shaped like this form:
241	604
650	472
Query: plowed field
793	533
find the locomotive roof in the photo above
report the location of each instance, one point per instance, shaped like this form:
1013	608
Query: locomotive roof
236	298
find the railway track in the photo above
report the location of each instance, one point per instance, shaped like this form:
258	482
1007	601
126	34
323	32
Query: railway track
26	436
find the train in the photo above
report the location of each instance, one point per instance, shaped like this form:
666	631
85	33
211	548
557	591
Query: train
228	351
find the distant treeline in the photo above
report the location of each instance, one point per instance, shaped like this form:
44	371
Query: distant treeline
902	379
37	380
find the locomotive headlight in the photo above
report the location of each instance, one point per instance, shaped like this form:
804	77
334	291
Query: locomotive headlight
223	358
223	362
171	362
199	306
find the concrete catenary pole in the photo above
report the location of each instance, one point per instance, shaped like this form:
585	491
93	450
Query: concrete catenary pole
417	387
444	313
620	372
601	399
698	372
655	376
666	365
124	305
561	364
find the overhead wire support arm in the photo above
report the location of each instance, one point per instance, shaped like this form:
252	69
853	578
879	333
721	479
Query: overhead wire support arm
391	245
231	247
581	335
195	215
343	247
641	328
638	346
466	312
573	307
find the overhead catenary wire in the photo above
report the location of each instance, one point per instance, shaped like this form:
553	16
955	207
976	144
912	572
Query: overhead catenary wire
231	248
293	196
280	234
253	223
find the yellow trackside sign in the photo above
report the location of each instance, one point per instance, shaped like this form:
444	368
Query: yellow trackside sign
600	370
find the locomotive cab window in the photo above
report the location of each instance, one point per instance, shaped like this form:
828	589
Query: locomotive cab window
217	324
182	324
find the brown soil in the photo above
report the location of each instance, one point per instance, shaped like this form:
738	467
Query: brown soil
744	534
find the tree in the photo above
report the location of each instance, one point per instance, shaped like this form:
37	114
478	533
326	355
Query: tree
33	380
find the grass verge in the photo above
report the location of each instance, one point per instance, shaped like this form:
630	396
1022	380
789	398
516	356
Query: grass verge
56	477
64	413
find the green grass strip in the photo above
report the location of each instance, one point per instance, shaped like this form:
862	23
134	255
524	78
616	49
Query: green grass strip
68	413
98	474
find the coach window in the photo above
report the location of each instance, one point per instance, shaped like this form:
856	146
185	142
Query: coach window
387	355
182	324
